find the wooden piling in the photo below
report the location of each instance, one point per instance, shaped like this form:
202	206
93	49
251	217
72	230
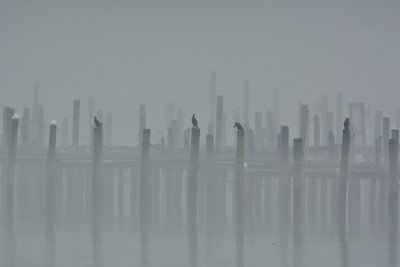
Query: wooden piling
238	201
298	152
51	171
316	131
11	160
393	201
284	144
344	169
7	123
75	123
385	137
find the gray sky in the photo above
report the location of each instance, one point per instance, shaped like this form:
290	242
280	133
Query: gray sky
124	53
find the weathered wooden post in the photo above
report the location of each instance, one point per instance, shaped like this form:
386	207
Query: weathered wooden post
97	202
142	123
284	144
51	171
276	106
109	128
11	158
75	123
316	131
298	153
385	137
145	183
219	126
192	191
209	147
239	198
393	201
193	175
344	169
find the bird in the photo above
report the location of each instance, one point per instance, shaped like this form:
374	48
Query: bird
346	123
97	123
194	122
238	126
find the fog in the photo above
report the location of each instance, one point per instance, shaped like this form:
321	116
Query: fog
293	184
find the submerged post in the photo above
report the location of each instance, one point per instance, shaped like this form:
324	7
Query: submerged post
145	183
219	125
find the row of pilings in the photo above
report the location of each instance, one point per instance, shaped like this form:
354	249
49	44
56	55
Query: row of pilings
205	198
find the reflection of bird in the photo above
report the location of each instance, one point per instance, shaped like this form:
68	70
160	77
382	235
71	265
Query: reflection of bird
97	123
238	126
194	122
346	123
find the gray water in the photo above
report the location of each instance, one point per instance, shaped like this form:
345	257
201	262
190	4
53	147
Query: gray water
70	237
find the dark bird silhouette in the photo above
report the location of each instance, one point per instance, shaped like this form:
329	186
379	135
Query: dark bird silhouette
194	122
346	124
238	126
97	123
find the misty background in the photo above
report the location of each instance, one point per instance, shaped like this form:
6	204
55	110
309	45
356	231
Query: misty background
127	53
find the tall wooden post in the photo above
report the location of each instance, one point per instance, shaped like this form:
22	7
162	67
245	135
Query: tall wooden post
75	123
385	137
284	136
97	202
344	169
298	153
316	131
145	196
238	200
11	157
51	171
192	191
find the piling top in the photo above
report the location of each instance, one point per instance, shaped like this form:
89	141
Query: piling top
15	116
53	122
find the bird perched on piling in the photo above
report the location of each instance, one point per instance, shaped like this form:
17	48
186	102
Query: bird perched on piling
97	123
346	124
238	126
194	122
